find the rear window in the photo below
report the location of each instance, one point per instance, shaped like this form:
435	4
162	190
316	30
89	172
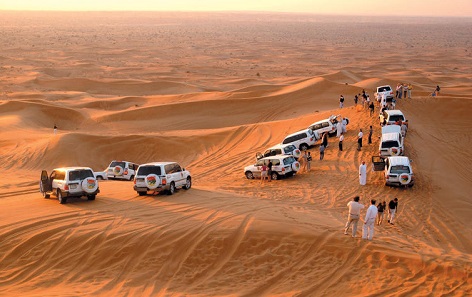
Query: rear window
289	149
145	170
289	160
394	118
399	169
389	144
384	89
80	174
117	163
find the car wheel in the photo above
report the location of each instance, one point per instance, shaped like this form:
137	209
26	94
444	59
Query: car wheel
249	175
303	147
188	184
274	176
62	199
99	177
142	193
91	197
171	189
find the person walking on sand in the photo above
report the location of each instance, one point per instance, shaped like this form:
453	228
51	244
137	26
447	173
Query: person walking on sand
436	91
322	149
264	175
308	162
55	129
359	140
354	214
410	87
325	139
371	107
303	162
269	171
341	139
392	209
341	101
405	90
371	131
369	221
344	121
363	174
381	212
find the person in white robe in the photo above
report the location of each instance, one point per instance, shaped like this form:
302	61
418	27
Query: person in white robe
339	129
369	221
363	174
344	122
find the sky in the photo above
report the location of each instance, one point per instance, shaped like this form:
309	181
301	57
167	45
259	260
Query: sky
440	8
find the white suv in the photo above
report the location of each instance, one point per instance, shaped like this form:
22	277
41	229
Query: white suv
397	170
384	92
121	170
391	141
391	117
302	139
69	182
280	149
282	165
326	125
161	176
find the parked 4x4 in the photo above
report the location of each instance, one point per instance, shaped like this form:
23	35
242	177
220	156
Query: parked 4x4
397	170
302	139
280	149
69	182
391	116
384	92
161	176
391	141
282	165
121	170
327	125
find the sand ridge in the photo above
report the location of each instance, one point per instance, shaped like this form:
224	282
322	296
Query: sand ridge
209	91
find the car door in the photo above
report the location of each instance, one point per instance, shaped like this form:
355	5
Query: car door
45	183
178	175
378	164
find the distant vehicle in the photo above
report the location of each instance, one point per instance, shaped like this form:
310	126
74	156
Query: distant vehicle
302	139
397	170
280	149
385	92
161	176
391	141
121	170
282	165
69	182
391	116
326	125
100	175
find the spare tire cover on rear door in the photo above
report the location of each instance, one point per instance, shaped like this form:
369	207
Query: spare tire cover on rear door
295	166
394	151
89	185
152	181
118	170
404	178
296	153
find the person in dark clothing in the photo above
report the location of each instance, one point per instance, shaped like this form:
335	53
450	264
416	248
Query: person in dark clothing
325	139
381	212
370	135
392	209
341	139
269	171
371	107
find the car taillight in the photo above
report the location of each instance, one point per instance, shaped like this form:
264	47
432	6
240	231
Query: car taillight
164	181
125	172
283	169
311	138
66	187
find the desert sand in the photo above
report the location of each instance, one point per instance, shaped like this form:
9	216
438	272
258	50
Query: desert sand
209	91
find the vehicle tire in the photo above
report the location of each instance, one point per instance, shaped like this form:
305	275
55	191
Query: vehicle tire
332	134
152	181
295	166
142	193
62	199
89	185
303	147
99	177
274	176
188	184
404	179
91	197
347	121
131	177
249	175
394	151
171	189
296	153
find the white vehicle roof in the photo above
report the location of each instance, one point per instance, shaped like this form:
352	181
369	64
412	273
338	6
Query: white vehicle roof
390	136
71	168
280	146
391	129
394	112
400	160
277	157
385	86
157	163
308	131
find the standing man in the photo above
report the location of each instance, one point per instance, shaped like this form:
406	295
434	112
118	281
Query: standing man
344	121
359	139
410	87
339	128
371	107
303	162
354	215
363	174
370	134
308	160
392	209
341	139
269	170
322	149
369	222
341	101
324	139
55	129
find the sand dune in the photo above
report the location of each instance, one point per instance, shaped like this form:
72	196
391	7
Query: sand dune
210	91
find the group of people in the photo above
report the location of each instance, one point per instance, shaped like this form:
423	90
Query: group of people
305	161
266	172
373	216
403	90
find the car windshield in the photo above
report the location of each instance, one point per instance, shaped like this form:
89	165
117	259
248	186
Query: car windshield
117	163
145	170
289	149
397	117
80	174
384	89
399	169
389	144
289	160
